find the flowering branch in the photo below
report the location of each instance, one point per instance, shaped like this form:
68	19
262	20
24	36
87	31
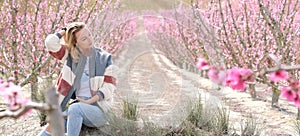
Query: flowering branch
236	78
278	66
287	68
24	109
18	106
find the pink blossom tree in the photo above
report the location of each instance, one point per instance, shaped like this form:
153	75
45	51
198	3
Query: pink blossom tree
118	27
237	34
247	35
167	35
25	25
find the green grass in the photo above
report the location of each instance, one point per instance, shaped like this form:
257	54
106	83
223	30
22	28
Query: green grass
251	127
130	110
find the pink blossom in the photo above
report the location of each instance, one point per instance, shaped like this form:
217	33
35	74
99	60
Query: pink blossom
236	78
288	93
213	74
11	79
294	84
216	76
12	94
202	64
233	73
278	75
237	84
297	101
246	74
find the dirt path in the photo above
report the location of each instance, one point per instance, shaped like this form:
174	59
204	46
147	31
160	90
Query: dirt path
157	87
165	93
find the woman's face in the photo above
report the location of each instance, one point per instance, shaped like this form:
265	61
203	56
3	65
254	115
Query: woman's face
84	39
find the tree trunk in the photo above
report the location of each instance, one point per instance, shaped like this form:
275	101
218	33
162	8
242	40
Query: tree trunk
55	115
275	97
34	88
298	115
252	91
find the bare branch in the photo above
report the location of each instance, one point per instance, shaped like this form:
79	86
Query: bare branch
287	68
278	66
275	59
234	57
91	11
51	107
235	26
24	109
37	69
78	11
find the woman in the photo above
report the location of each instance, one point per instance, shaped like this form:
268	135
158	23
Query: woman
87	75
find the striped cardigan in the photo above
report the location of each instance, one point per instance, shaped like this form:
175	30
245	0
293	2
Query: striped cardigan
105	82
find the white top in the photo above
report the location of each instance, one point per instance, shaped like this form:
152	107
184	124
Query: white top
85	82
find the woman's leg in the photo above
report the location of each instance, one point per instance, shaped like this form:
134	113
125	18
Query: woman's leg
81	113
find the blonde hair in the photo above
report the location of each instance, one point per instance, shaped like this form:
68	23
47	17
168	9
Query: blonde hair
70	39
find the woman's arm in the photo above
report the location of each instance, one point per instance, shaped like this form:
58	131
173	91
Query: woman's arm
54	47
95	98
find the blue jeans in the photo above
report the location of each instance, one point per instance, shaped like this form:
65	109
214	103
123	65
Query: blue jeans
80	113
